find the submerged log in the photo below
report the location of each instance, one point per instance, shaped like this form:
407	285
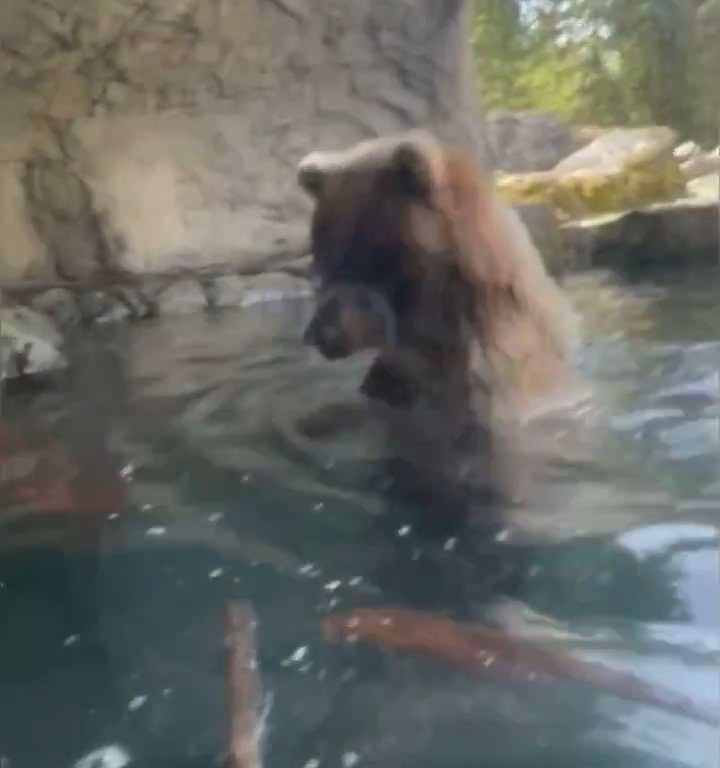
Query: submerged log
244	691
466	645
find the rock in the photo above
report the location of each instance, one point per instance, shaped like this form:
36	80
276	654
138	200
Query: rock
60	305
63	215
705	187
133	298
102	307
167	202
621	170
246	290
529	141
584	134
681	233
301	267
155	137
180	298
275	286
543	227
619	148
701	164
228	291
29	344
589	240
23	255
694	163
686	151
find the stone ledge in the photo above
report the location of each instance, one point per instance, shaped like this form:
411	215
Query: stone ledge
69	305
684	233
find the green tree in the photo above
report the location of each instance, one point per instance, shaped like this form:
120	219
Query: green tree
706	66
604	61
497	42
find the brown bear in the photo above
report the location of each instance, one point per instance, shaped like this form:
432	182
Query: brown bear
418	260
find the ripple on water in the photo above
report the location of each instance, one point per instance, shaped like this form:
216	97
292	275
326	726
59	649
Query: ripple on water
229	498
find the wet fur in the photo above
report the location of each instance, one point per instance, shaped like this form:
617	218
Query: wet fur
482	335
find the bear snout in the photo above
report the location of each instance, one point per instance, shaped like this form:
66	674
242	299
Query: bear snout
327	338
347	322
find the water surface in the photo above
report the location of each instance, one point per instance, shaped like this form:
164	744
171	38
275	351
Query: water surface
190	485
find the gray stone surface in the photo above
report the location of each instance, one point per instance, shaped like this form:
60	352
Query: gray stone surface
181	298
152	136
228	291
612	149
29	343
529	141
246	290
102	307
60	305
681	233
162	296
133	298
273	287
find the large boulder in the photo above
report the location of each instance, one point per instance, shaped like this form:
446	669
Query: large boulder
163	136
529	141
619	148
684	231
679	233
620	170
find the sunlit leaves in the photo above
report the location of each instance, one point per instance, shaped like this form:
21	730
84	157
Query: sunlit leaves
599	61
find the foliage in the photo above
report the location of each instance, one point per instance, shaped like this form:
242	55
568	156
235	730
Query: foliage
601	61
706	65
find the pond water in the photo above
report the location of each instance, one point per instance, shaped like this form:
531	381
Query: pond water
175	443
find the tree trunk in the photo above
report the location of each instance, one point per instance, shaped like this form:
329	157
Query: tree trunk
151	135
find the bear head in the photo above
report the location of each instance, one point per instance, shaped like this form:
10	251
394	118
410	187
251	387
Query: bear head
417	259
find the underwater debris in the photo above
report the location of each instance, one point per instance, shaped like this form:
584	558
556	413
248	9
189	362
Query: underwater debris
468	645
244	690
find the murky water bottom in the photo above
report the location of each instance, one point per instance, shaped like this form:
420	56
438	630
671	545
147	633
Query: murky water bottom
176	445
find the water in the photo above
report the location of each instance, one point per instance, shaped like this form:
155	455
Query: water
176	445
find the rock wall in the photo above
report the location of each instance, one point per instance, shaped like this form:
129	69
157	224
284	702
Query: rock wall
529	141
154	136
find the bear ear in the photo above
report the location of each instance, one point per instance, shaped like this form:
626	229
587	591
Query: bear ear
310	174
413	165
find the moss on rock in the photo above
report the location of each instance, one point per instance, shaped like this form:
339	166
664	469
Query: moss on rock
619	171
